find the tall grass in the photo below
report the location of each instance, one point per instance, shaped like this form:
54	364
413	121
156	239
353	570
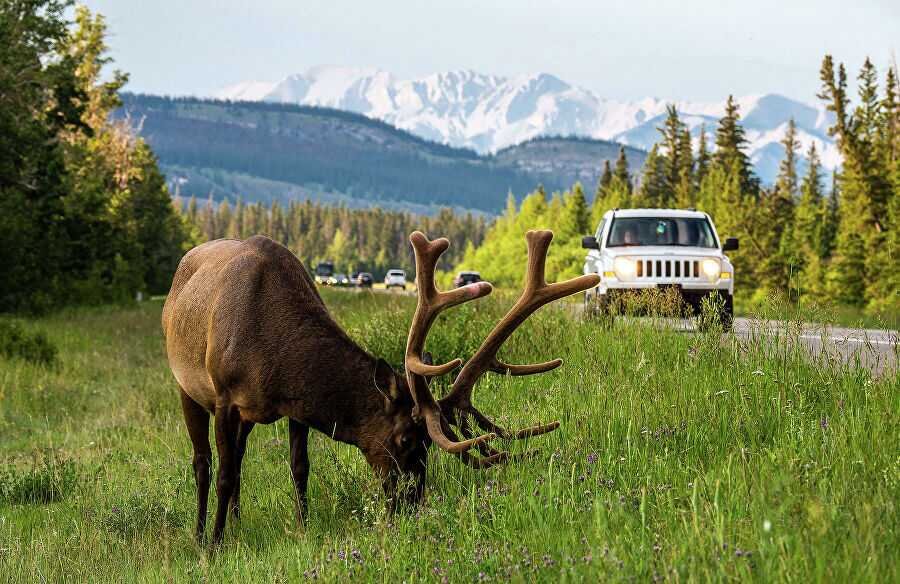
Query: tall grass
680	457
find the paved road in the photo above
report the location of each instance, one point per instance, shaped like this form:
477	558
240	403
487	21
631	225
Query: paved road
875	349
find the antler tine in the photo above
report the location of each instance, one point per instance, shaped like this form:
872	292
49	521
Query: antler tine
430	303
536	293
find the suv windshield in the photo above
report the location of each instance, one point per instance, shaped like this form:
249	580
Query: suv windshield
679	231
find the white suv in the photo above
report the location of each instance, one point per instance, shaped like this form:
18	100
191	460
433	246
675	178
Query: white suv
635	249
395	278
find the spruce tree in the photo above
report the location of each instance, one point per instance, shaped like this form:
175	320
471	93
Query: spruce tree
621	173
730	148
830	219
652	191
602	187
606	177
671	154
808	228
701	166
576	217
685	188
778	208
857	237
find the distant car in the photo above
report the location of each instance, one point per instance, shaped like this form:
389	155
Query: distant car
466	278
395	278
340	280
324	273
364	280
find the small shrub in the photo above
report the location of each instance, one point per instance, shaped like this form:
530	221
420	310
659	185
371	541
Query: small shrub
710	318
143	512
48	479
35	347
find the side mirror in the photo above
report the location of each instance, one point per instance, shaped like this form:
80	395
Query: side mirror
589	242
731	243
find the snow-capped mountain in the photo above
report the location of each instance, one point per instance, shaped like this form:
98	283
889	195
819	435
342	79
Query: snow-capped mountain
487	112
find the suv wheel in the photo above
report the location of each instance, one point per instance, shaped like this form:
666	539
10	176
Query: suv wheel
727	314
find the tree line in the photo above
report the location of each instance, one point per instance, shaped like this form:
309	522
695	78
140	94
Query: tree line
85	215
796	236
356	240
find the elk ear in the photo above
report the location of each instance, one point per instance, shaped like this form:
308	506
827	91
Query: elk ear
427	358
386	381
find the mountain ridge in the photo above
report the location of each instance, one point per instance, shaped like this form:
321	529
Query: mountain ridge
268	152
465	108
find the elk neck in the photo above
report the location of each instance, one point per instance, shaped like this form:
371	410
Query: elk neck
330	383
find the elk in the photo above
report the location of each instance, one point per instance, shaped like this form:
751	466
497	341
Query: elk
250	341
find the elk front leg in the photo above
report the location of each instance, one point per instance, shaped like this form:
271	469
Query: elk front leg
197	420
299	435
227	424
244	429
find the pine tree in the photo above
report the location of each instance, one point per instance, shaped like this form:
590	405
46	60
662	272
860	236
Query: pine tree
621	173
606	177
703	159
685	189
834	94
671	152
830	219
576	217
652	192
730	148
856	234
808	228
778	212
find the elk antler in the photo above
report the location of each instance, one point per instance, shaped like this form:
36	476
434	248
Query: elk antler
536	294
431	303
458	403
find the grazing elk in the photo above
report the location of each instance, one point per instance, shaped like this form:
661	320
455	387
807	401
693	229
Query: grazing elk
250	341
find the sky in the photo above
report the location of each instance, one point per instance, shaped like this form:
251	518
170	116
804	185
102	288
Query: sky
679	50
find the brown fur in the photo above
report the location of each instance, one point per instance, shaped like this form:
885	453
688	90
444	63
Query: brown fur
250	341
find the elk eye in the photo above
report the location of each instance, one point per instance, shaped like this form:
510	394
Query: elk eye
404	440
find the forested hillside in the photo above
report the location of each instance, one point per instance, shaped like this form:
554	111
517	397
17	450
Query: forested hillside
267	152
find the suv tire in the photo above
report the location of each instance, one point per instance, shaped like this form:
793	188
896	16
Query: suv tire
727	314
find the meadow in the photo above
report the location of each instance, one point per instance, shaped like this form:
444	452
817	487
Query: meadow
681	457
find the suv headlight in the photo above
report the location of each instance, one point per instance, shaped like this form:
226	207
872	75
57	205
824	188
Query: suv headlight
625	268
712	268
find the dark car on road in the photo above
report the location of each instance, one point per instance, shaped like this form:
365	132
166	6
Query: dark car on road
364	280
466	278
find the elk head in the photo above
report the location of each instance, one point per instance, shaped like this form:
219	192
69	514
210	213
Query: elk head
440	416
396	444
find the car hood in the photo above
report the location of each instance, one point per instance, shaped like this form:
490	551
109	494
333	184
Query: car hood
663	251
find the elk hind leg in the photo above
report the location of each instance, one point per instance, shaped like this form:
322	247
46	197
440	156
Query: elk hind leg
227	424
197	420
244	429
299	436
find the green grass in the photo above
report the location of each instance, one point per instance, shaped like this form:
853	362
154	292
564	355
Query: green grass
815	311
680	457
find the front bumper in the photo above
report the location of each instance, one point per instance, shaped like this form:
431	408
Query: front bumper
614	284
692	296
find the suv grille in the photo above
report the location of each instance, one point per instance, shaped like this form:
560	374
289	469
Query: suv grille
683	269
